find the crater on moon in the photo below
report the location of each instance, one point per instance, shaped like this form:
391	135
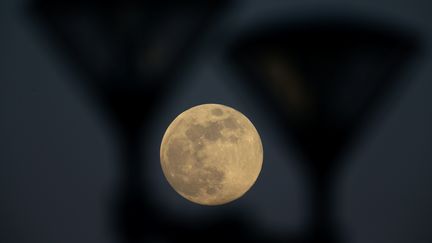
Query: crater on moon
211	154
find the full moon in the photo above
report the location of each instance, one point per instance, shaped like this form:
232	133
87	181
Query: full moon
211	154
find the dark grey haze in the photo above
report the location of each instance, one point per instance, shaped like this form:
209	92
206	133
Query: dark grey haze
58	155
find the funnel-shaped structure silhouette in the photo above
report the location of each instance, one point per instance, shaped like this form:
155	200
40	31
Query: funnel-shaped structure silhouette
129	54
321	77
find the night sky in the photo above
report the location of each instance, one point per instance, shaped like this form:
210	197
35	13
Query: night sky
60	156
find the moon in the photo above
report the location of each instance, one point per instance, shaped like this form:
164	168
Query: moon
211	154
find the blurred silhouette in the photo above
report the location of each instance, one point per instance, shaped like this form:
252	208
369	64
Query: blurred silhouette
130	53
321	76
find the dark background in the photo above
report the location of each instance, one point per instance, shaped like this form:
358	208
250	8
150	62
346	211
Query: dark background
61	160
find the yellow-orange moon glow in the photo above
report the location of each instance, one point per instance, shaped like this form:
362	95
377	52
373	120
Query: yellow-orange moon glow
211	154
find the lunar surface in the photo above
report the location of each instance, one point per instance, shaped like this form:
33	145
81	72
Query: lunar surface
211	154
